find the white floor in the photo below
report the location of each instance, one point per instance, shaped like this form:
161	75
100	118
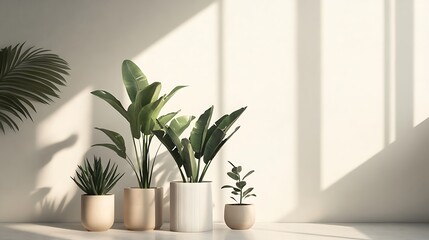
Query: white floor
267	231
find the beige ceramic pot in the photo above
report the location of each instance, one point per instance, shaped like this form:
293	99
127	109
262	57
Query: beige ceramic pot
191	207
239	217
139	208
97	212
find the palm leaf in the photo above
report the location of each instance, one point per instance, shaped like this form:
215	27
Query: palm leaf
25	76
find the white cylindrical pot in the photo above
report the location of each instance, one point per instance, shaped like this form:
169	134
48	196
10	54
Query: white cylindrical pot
97	212
191	207
239	216
139	208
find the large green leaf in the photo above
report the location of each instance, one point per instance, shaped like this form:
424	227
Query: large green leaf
199	132
170	144
172	92
110	99
212	144
213	128
227	122
189	162
112	147
134	79
117	139
148	94
133	118
148	116
224	123
163	120
210	155
25	76
179	124
217	132
166	98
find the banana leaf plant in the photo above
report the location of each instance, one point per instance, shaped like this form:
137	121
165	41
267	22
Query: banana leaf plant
203	144
143	117
27	76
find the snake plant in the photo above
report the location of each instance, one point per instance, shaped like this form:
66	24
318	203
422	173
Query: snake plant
238	189
143	118
94	180
25	76
203	144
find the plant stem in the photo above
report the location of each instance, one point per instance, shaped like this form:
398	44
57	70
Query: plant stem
153	164
139	179
181	174
198	169
241	189
203	173
132	166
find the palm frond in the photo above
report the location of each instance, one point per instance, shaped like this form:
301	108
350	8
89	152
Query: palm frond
25	76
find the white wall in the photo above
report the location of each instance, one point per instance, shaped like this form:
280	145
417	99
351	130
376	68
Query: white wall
336	92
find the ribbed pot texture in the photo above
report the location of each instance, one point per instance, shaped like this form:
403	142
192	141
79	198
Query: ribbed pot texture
239	217
191	207
97	212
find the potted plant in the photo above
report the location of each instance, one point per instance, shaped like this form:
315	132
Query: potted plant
142	208
97	204
191	199
25	76
239	216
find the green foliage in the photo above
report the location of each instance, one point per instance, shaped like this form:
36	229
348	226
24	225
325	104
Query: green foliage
143	118
238	189
26	76
94	180
203	144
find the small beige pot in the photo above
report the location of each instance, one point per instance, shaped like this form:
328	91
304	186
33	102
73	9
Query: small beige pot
239	217
97	212
139	208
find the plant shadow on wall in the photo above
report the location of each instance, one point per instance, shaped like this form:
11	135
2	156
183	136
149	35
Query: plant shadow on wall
165	172
391	185
46	207
160	18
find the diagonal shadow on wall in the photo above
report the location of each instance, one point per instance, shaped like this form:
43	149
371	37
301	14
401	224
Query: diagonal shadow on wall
94	37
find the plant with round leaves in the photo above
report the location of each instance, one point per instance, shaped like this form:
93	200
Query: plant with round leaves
239	189
94	180
26	76
143	118
203	144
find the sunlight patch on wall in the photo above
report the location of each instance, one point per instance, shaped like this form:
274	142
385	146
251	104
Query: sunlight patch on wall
188	55
421	60
62	139
352	86
260	71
